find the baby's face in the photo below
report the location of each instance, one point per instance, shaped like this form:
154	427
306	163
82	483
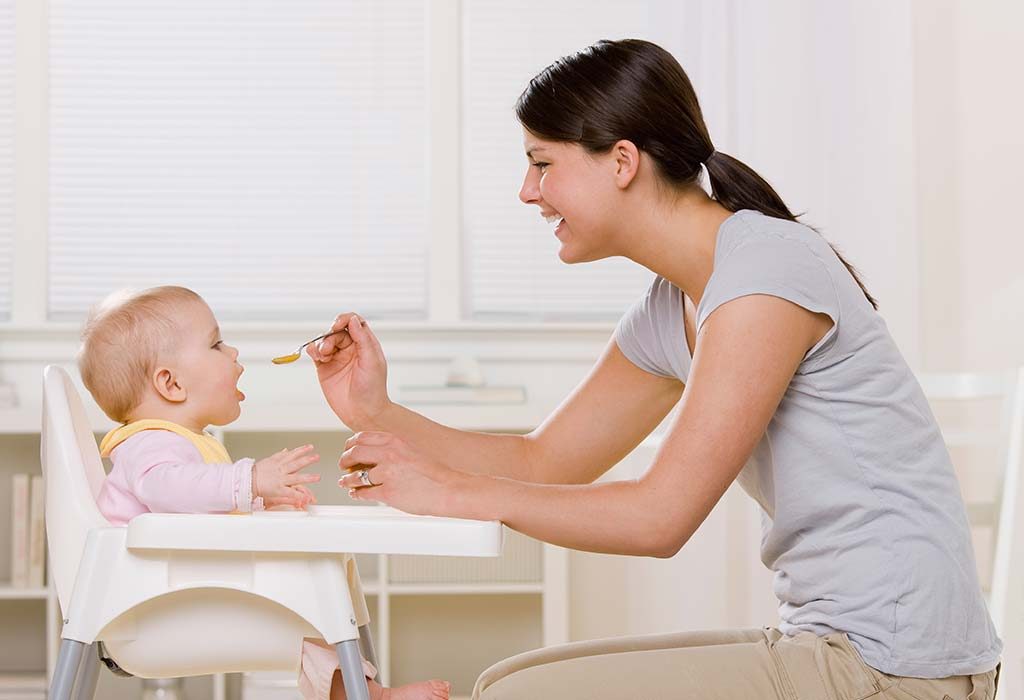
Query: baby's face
208	367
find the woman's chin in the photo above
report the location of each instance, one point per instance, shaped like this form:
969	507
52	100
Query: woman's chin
568	254
571	256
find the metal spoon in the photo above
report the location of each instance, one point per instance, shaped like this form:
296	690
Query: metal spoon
285	359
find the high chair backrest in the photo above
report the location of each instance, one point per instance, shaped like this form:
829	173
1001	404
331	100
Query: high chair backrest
73	474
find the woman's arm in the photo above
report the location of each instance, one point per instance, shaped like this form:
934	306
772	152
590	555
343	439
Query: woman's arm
616	405
746	354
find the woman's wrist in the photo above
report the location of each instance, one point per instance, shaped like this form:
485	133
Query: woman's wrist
471	496
378	420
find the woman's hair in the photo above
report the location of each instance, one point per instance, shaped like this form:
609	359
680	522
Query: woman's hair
122	341
637	91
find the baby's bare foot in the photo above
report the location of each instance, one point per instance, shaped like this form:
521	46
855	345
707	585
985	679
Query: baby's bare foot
424	690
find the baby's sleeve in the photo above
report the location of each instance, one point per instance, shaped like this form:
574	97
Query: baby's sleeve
167	474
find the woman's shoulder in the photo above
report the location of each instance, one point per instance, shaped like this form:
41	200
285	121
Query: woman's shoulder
760	234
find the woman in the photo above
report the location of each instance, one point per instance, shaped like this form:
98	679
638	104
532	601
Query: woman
787	380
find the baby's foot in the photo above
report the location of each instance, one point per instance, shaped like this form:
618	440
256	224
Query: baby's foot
424	690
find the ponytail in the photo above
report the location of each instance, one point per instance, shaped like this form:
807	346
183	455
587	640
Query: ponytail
736	186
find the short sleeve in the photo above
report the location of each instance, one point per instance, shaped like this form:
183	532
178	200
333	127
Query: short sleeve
778	266
641	333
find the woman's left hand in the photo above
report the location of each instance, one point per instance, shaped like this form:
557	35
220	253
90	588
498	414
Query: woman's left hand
401	476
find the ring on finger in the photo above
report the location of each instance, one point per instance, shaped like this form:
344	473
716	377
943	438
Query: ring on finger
364	477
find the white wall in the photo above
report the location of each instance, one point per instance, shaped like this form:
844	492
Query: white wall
968	112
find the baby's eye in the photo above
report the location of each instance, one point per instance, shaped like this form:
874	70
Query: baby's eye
216	346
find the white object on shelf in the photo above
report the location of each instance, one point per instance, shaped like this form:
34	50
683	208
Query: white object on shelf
465	370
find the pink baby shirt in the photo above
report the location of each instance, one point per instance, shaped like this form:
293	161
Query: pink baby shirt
157	471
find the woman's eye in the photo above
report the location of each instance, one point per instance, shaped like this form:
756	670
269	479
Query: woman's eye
539	166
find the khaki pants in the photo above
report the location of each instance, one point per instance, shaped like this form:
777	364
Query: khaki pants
760	664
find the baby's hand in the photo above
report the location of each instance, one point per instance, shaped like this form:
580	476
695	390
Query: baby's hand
276	479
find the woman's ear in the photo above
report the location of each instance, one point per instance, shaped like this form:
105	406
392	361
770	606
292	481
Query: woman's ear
166	384
627	162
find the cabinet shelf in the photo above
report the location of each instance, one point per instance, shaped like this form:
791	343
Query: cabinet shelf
9	592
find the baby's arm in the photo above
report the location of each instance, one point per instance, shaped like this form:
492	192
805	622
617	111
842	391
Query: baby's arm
167	474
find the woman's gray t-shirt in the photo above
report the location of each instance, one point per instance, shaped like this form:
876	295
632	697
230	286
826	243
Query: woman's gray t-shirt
863	523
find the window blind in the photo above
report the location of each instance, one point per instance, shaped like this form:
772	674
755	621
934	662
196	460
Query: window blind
512	263
270	155
6	153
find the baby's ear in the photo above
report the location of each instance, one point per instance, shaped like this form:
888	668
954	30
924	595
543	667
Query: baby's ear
166	384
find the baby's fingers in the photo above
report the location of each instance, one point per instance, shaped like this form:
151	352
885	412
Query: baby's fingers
293	479
307	495
299	463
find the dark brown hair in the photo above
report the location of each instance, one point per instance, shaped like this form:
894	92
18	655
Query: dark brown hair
636	91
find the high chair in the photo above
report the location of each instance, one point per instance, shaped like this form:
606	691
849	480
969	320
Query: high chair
175	595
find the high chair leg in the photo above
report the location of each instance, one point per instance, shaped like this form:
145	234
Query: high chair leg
366	647
68	660
352	670
88	673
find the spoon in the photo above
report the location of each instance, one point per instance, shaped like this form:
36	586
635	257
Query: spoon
286	359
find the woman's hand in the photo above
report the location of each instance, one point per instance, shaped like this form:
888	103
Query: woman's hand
400	476
352	372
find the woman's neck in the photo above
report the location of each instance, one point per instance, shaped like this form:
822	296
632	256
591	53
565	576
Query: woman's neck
676	239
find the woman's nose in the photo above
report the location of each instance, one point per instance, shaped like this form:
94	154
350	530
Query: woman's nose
529	193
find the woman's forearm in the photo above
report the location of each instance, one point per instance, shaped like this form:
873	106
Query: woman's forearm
619	517
475	453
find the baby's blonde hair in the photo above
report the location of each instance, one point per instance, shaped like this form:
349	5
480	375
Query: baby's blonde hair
122	341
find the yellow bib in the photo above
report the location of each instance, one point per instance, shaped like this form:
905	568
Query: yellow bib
212	451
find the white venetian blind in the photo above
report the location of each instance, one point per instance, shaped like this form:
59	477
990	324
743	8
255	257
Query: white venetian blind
512	266
6	153
270	155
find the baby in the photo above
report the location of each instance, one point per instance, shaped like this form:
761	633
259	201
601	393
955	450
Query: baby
155	362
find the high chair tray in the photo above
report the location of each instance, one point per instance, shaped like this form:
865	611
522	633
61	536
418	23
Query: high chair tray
321	529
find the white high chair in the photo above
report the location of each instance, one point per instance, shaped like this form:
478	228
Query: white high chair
182	595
